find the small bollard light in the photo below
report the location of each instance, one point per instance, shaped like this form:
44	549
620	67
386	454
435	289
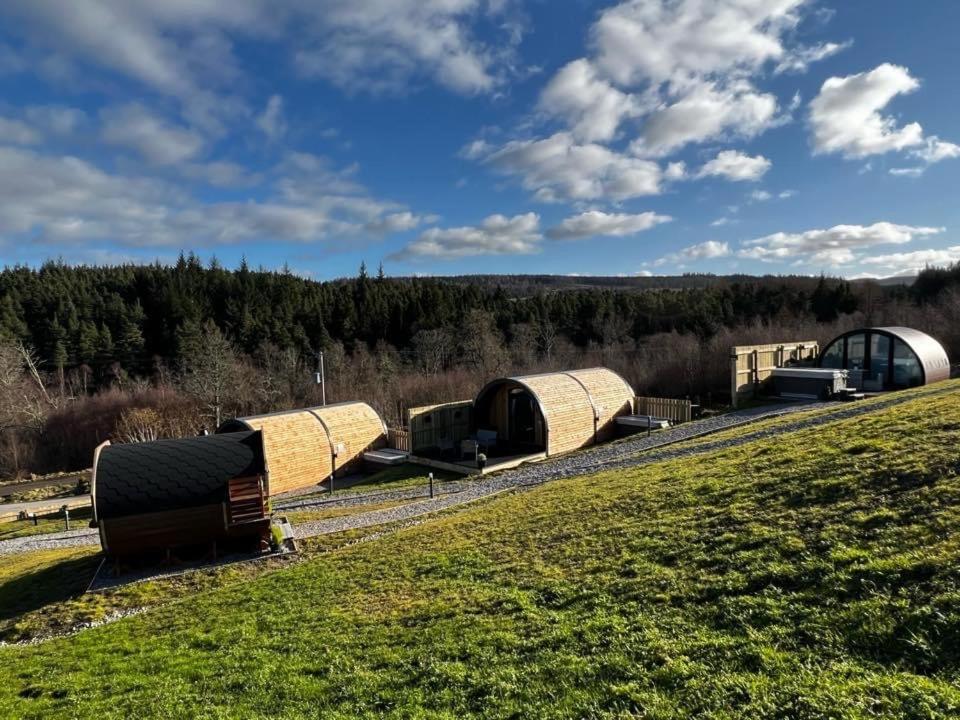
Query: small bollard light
66	515
430	475
33	517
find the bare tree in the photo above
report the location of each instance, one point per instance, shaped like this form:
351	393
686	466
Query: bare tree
546	338
433	350
210	371
481	344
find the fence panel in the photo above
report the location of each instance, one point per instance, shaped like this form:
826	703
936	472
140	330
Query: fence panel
751	365
398	439
676	411
439	426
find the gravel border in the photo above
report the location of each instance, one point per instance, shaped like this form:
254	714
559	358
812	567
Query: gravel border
50	541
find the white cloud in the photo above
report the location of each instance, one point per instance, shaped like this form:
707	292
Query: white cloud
737	166
592	106
663	41
720	222
709	250
395	223
594	222
760	196
17	133
933	151
271	120
833	246
936	150
135	127
913	262
800	58
786	194
380	45
66	200
845	115
558	168
56	119
185	50
496	235
676	72
706	112
907	171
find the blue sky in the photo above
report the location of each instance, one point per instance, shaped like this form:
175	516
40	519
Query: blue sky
475	136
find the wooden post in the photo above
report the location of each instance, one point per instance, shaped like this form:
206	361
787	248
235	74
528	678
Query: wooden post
430	475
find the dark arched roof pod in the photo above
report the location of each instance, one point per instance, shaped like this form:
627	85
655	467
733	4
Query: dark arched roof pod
570	409
155	495
889	357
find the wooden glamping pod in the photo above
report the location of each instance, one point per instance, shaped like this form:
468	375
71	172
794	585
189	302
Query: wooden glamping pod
305	447
554	412
165	494
887	358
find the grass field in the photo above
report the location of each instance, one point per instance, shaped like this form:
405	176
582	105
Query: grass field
813	575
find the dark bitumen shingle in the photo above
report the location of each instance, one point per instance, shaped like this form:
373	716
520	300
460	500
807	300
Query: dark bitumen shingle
164	475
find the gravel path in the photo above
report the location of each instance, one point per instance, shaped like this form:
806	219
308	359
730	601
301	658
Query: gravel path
635	452
50	541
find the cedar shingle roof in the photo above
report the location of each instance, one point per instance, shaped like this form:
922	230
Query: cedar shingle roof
170	474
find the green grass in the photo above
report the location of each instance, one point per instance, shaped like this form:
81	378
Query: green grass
52	522
815	575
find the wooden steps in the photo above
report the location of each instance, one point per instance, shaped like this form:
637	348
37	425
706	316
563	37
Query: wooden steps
246	503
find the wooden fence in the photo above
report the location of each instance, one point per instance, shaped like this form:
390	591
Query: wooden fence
676	411
439	426
751	365
398	439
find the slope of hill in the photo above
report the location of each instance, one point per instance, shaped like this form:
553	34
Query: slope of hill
810	575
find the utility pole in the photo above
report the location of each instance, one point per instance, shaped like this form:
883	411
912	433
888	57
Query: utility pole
321	377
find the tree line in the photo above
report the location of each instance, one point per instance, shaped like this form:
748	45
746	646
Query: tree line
140	351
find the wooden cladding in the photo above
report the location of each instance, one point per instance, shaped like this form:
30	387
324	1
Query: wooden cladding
676	411
305	447
751	365
296	448
578	408
611	395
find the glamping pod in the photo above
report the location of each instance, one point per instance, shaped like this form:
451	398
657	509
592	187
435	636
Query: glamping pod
887	358
165	494
305	447
553	412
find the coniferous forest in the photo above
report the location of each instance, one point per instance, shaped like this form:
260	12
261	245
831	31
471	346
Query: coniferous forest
137	352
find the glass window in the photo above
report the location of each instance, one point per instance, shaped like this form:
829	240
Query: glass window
906	367
856	351
832	357
879	375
